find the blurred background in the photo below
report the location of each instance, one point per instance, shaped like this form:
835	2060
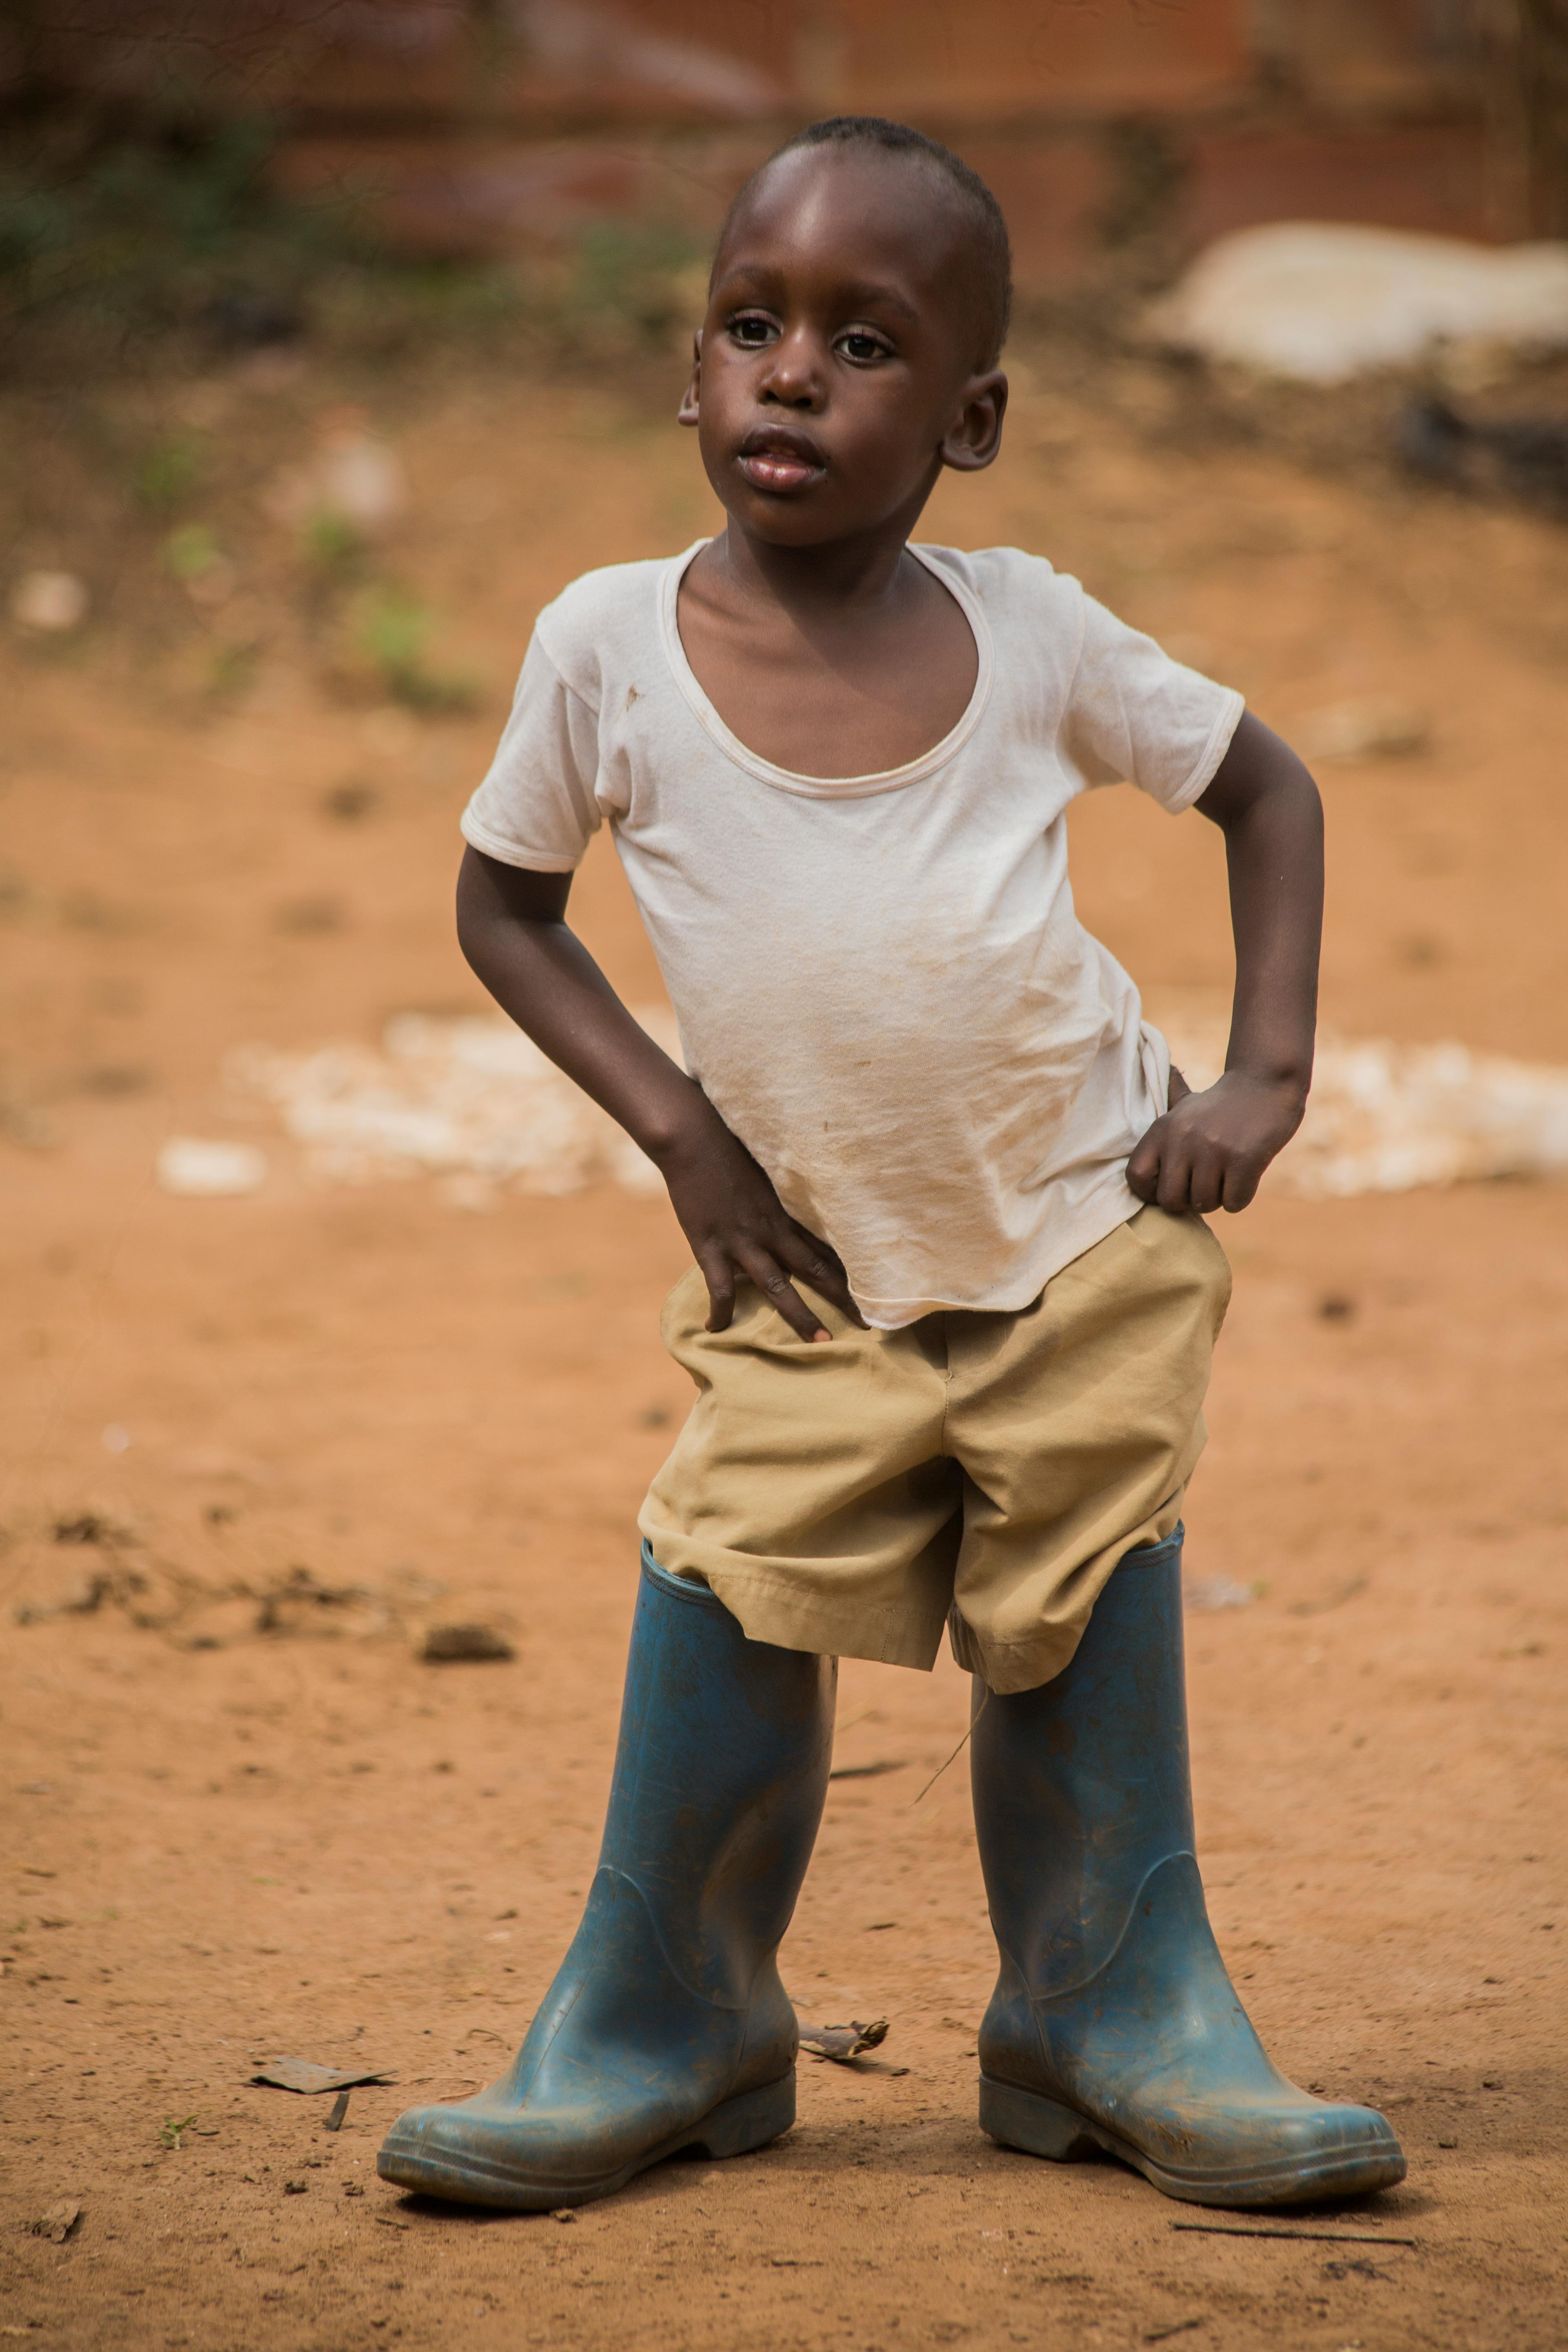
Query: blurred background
458	128
337	336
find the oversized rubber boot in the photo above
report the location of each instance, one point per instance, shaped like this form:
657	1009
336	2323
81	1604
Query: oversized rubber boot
667	2026
1114	2025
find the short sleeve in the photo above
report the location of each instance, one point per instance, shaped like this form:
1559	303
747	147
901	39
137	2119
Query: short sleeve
537	806
1136	715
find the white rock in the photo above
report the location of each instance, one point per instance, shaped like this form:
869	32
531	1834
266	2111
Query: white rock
49	600
353	476
357	477
1216	1592
1377	728
470	1099
206	1170
1323	303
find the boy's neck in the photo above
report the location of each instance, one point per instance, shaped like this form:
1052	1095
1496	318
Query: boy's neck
842	575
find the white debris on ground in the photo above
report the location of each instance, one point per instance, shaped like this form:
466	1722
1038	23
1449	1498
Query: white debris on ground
209	1168
473	1102
353	476
467	1098
1377	727
1323	303
1383	1117
51	602
1207	1593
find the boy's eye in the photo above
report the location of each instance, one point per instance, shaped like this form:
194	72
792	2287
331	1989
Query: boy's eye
860	345
751	331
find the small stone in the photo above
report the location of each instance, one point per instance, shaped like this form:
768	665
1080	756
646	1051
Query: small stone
49	602
445	1644
201	1169
359	480
58	2223
1378	728
1210	1592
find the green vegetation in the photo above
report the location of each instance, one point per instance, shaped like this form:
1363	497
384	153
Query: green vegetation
392	630
231	668
190	551
170	471
123	239
633	279
111	246
333	544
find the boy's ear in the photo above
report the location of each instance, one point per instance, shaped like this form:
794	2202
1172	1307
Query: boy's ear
975	436
686	413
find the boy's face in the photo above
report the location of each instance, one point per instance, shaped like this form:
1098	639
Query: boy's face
837	371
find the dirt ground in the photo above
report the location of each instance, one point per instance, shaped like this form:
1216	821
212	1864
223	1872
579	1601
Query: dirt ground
222	1843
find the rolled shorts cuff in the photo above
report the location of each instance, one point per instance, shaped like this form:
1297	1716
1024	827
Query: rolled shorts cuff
1009	1666
770	1606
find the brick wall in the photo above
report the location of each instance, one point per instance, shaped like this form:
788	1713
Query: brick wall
469	126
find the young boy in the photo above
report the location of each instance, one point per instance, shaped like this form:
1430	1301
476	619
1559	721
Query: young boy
953	1301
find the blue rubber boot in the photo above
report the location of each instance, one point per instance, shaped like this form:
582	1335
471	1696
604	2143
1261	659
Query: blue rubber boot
667	2027
1114	2025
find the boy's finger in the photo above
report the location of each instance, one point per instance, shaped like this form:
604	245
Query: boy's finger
1241	1181
1143	1174
776	1286
825	1250
1174	1190
1144	1163
719	1277
1206	1183
821	1257
814	1263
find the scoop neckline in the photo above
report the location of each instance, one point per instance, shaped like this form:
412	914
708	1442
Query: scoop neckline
825	788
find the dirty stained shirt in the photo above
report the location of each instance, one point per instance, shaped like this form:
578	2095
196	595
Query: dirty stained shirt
880	981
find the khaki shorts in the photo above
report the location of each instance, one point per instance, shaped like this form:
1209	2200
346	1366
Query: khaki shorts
981	1471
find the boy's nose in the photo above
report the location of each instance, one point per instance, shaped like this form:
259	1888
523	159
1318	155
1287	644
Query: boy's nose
797	377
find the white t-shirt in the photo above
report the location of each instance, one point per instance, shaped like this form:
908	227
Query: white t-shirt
881	981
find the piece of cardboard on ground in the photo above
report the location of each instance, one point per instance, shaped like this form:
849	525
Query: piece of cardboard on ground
304	2074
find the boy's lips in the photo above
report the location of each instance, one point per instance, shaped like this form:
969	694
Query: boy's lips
776	458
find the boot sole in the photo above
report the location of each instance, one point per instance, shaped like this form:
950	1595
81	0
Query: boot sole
733	2128
1042	2126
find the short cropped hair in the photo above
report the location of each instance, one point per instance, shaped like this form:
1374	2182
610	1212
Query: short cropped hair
993	283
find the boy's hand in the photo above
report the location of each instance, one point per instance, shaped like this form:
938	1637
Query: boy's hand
1210	1150
739	1229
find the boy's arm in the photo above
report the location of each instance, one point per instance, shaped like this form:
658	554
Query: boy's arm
1210	1150
511	927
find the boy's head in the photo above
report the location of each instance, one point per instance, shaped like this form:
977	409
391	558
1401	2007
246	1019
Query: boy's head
857	306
